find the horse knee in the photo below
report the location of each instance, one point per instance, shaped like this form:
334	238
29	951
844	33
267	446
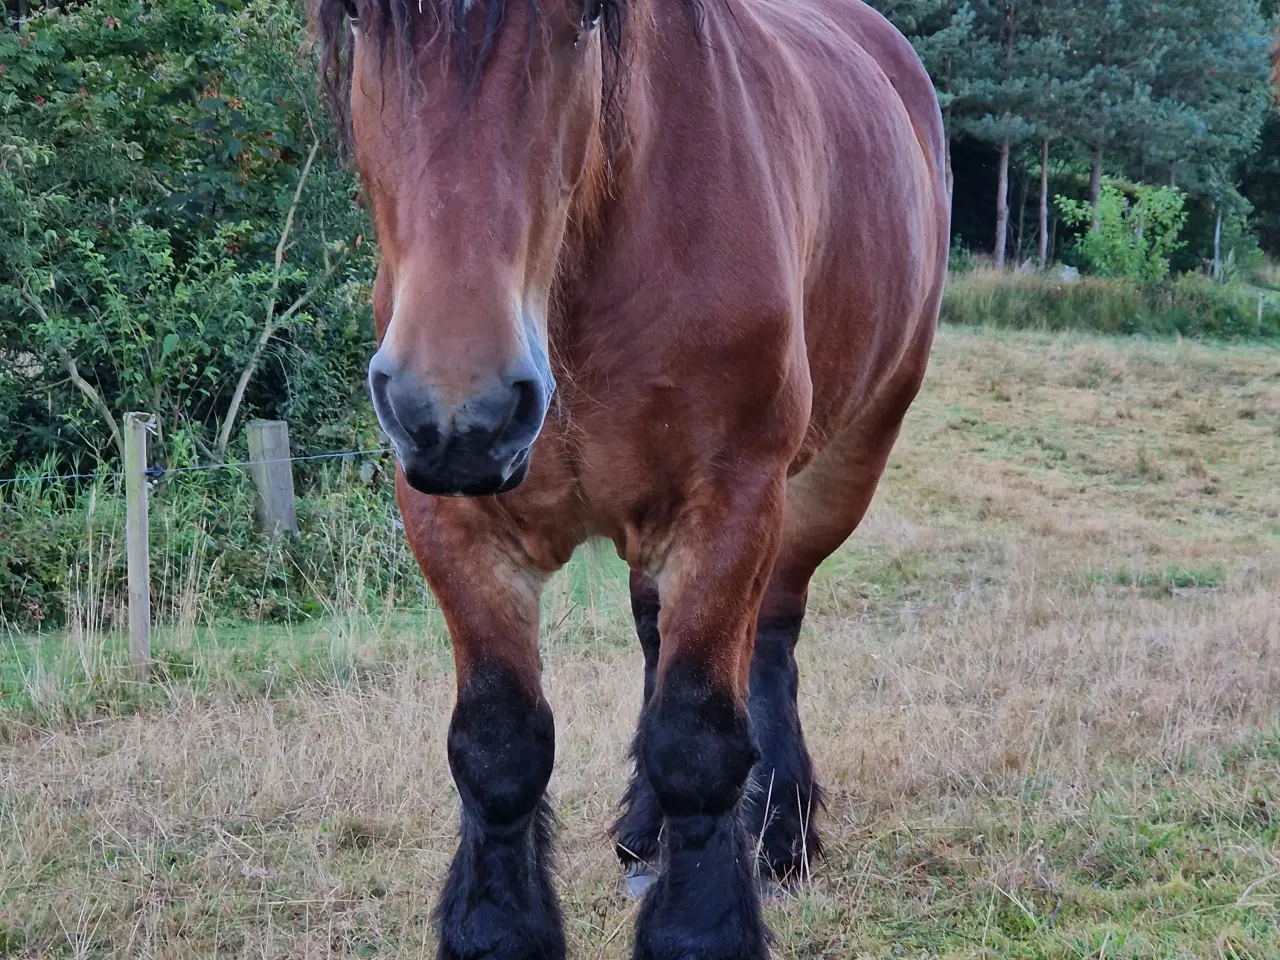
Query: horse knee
501	746
698	748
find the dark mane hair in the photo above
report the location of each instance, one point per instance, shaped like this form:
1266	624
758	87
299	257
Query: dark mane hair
401	25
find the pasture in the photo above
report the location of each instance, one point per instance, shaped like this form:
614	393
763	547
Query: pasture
1041	686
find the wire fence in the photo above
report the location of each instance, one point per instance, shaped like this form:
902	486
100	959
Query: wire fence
159	472
270	466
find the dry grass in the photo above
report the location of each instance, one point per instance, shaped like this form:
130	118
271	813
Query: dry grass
1042	686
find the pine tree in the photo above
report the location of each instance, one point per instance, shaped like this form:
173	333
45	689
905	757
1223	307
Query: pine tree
1004	105
1170	91
1104	70
941	31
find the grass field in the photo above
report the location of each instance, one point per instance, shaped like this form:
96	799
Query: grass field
1042	685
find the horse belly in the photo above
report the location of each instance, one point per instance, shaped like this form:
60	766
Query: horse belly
873	282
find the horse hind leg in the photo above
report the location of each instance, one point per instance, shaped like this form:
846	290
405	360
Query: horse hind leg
824	504
637	831
695	744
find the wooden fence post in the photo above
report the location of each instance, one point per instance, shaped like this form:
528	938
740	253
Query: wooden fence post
272	476
137	541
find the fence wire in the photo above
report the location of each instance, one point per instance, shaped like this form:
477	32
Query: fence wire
158	472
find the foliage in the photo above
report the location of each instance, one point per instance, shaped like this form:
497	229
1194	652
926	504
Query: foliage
151	155
1133	239
1172	91
1190	306
961	260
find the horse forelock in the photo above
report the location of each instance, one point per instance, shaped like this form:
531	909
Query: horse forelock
402	27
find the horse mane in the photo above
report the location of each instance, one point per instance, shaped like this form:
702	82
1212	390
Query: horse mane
403	25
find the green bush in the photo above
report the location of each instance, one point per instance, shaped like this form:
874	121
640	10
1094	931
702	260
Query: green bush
149	155
1192	305
1134	237
961	259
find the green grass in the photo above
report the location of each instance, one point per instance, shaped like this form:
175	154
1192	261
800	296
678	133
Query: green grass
53	675
1148	868
1162	582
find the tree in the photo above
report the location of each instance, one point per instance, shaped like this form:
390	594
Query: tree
941	31
1102	75
1015	99
149	164
1209	91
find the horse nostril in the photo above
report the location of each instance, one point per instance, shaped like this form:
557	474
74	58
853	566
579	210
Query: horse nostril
525	411
379	384
404	407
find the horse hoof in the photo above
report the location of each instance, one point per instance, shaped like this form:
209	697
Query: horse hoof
638	879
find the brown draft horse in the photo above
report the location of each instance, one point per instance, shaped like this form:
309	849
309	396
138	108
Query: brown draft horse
661	271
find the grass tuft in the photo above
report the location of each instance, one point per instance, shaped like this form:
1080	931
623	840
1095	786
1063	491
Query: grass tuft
1190	306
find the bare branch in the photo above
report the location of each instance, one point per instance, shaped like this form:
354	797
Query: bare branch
224	435
271	326
73	372
284	234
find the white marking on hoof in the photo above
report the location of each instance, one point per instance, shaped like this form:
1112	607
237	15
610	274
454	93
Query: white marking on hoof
638	879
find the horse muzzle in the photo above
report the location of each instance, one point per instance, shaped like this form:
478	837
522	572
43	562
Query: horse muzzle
478	448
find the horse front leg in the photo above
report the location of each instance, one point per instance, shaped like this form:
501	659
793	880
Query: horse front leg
695	743
498	901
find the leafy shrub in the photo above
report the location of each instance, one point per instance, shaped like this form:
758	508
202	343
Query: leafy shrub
1134	238
961	260
149	154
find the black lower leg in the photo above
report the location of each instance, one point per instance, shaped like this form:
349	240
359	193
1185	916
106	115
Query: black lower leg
637	830
498	901
696	749
783	798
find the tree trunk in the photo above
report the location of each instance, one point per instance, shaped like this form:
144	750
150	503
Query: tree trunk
1173	174
951	175
1044	203
946	133
1095	184
1022	219
1217	248
1002	206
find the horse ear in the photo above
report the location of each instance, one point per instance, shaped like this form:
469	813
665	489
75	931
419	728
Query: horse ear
591	12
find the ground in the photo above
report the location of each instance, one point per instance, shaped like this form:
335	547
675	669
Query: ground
1042	687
